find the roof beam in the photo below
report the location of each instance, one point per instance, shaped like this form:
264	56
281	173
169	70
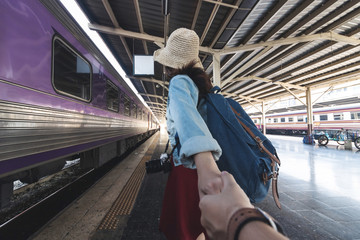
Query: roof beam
159	108
253	105
316	86
265	19
196	15
310	30
161	104
111	14
125	33
295	96
152	95
142	36
209	22
270	81
272	104
328	90
225	4
315	82
152	80
241	96
245	66
223	26
304	4
138	16
287	41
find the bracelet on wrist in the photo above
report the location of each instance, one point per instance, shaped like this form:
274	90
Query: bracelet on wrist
245	215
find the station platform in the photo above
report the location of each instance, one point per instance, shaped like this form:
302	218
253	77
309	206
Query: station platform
319	191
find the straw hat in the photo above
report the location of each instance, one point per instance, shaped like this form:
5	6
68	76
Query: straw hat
181	48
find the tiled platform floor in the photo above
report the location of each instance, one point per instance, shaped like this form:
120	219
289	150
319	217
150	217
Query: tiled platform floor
319	191
310	214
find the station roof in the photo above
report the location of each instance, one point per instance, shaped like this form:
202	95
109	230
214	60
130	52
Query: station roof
268	48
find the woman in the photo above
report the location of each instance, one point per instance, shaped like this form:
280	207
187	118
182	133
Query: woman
195	172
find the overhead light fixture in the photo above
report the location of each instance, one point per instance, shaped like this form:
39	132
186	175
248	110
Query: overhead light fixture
143	65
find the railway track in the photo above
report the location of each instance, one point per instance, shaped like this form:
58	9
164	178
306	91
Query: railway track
29	221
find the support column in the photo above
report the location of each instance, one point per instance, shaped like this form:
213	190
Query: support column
309	111
263	118
216	69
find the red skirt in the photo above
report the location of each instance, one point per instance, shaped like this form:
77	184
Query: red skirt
180	214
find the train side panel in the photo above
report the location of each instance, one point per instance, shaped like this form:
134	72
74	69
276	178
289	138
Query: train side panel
333	118
40	121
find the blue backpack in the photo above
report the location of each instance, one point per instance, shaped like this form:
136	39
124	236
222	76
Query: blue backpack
246	153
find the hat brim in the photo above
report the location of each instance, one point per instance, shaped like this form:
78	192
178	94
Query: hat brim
163	57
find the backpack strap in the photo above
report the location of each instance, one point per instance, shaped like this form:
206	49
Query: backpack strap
173	149
215	89
273	158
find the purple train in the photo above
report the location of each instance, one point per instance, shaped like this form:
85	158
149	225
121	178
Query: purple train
59	97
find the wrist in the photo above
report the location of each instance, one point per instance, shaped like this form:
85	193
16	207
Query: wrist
205	162
243	216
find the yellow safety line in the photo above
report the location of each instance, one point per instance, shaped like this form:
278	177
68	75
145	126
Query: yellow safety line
126	199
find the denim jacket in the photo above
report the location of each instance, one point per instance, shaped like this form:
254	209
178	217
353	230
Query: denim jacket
187	119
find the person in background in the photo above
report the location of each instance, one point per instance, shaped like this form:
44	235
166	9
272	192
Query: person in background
229	215
194	173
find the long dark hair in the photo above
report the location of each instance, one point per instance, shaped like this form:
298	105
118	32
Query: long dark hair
198	75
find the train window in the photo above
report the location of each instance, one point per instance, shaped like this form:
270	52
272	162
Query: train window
300	119
139	116
282	119
133	110
112	96
269	120
255	120
323	117
339	116
355	115
126	105
275	120
144	116
121	103
71	73
291	119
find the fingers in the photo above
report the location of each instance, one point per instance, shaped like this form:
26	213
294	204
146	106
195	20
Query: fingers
226	177
228	180
210	184
231	188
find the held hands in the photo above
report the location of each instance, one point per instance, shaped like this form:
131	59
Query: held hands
217	209
209	177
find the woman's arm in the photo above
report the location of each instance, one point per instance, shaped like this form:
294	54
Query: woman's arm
209	175
191	128
198	147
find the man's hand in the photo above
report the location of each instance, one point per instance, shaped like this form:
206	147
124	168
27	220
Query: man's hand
217	209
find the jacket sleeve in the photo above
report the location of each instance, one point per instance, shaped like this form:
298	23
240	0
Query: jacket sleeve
193	133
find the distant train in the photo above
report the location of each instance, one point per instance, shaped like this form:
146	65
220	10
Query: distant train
329	118
59	97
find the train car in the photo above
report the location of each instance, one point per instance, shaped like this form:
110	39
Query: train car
329	118
59	97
